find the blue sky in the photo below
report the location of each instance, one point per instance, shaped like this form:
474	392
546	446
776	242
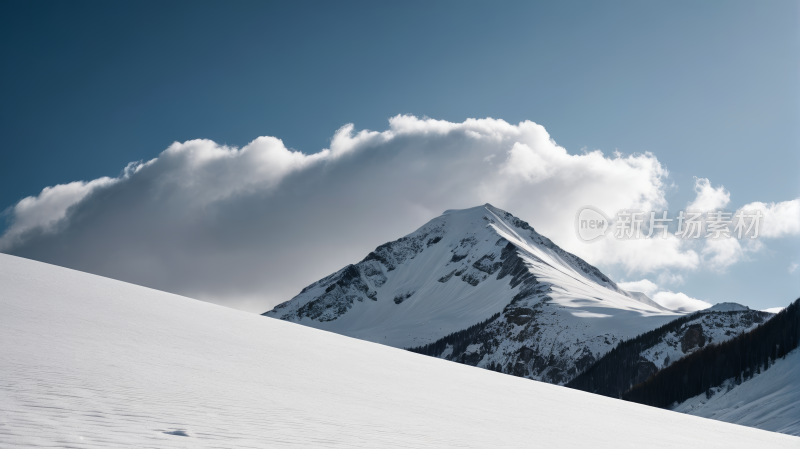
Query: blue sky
709	88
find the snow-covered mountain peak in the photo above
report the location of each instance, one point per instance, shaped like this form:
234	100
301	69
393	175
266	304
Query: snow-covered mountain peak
727	307
472	210
486	270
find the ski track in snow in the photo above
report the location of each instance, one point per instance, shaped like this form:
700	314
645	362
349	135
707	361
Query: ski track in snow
89	362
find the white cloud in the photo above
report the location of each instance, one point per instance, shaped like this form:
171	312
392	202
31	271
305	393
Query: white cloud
708	198
773	309
643	256
48	209
719	254
679	302
525	163
793	267
644	286
234	225
779	220
665	256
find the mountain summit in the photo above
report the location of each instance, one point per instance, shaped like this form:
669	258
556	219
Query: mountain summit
481	287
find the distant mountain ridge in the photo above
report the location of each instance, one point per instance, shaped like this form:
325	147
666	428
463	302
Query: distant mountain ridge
482	287
737	377
633	361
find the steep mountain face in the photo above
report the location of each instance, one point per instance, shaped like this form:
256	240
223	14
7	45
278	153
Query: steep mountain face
481	287
634	361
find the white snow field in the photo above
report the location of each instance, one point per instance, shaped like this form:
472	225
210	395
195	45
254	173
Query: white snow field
90	362
769	401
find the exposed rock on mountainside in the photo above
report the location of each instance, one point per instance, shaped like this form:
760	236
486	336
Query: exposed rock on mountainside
481	287
750	379
693	338
634	361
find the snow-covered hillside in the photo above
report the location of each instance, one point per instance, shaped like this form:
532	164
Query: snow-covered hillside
634	361
89	362
769	401
710	326
541	312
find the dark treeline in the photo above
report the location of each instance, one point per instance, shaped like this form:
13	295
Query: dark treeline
614	373
459	340
739	359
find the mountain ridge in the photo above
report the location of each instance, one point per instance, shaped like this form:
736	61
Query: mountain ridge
633	361
556	313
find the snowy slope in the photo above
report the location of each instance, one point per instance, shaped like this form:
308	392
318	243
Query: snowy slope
557	314
769	401
89	362
641	297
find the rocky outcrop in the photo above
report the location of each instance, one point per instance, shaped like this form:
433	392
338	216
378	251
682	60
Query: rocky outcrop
358	282
644	369
489	261
693	338
633	361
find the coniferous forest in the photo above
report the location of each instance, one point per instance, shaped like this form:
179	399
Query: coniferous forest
623	367
459	340
738	359
615	372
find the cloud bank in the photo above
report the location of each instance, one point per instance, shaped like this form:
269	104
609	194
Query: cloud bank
250	227
678	302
